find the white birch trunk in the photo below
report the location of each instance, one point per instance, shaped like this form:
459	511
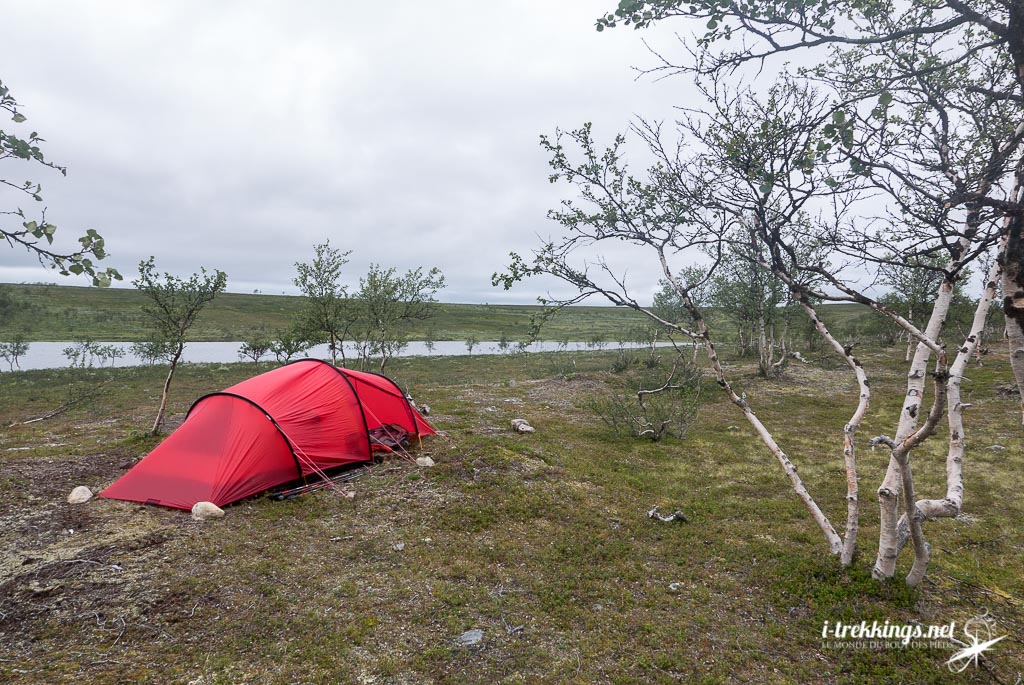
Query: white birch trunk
950	505
922	551
889	491
764	349
901	455
910	347
849	433
835	543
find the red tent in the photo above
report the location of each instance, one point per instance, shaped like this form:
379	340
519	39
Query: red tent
285	424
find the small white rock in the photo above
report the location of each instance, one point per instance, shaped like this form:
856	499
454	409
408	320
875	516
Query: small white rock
522	426
470	637
399	546
204	510
80	495
424	461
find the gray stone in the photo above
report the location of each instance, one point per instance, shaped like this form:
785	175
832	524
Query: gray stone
522	426
470	637
80	495
205	510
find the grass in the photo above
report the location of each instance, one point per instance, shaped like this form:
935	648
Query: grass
540	540
51	312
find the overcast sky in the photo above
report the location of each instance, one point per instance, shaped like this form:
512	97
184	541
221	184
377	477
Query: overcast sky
236	135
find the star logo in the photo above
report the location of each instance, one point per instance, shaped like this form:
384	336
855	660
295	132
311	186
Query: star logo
979	631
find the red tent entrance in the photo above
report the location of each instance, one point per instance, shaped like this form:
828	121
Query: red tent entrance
287	423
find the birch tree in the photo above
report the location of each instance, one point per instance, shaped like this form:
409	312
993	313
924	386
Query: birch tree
14	350
930	109
664	215
912	290
388	303
769	179
29	230
963	60
753	298
327	315
174	304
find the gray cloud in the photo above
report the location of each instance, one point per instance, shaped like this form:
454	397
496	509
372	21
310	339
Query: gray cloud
237	135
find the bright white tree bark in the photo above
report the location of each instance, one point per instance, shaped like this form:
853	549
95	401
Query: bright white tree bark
889	491
892	484
950	505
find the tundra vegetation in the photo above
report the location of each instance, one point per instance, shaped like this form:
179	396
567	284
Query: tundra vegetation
541	540
900	152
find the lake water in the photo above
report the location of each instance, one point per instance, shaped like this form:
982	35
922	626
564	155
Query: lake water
50	355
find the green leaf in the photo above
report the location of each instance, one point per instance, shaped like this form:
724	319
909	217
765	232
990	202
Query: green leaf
76	269
712	25
18	118
885	98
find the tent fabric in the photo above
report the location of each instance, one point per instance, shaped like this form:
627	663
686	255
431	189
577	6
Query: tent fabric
296	420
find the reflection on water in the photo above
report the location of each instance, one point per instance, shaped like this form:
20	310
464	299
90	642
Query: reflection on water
50	355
